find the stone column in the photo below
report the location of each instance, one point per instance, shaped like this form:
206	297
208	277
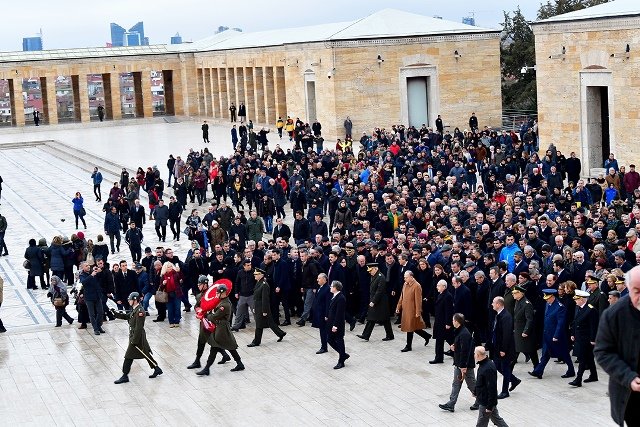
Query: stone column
231	89
112	96
224	93
208	111
49	105
270	96
240	96
281	92
215	94
142	88
17	102
202	103
249	98
258	94
80	98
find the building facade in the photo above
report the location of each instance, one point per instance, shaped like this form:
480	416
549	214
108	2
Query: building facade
590	59
371	70
30	44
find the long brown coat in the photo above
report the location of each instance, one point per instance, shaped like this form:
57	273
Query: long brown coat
410	306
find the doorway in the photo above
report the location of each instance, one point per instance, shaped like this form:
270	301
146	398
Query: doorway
418	100
310	95
598	132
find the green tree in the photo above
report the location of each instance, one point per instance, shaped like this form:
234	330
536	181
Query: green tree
558	7
517	50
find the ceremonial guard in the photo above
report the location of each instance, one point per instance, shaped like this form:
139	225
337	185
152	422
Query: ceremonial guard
583	335
138	346
221	338
262	309
203	285
378	311
554	339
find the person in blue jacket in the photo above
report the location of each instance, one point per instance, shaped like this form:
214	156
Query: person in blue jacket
507	253
78	209
554	338
96	177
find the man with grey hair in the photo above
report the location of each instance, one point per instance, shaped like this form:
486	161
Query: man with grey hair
92	293
309	271
486	390
335	323
503	346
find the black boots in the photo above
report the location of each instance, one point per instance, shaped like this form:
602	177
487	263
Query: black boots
225	359
156	371
123	379
239	366
195	364
204	371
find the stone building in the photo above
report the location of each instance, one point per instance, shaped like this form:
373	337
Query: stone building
588	74
387	68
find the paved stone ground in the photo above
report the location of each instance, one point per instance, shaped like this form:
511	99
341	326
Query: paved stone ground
64	376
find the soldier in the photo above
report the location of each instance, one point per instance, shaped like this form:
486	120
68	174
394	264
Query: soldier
203	285
221	338
262	309
138	346
378	311
583	334
523	326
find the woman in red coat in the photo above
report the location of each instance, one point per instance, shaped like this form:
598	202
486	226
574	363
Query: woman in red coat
171	284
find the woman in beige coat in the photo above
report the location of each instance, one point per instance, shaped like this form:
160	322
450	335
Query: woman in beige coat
410	307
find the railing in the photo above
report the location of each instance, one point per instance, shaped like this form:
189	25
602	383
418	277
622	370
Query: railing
512	119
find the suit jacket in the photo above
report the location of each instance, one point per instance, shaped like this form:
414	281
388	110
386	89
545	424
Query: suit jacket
282	231
502	336
320	308
336	316
521	267
563	276
584	330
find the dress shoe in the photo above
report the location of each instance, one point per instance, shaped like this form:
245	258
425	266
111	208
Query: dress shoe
321	351
397	322
404	350
204	371
591	379
102	331
156	371
435	362
300	323
158	320
387	338
568	375
195	364
362	337
225	359
281	336
123	379
346	356
285	323
503	395
533	374
340	365
514	384
576	383
187	309
83	326
446	407
239	367
252	344
448	353
474	407
352	325
96	332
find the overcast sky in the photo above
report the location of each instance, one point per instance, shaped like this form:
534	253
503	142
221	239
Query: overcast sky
76	23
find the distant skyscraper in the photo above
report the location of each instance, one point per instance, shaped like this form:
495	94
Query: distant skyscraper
177	39
31	43
469	20
133	37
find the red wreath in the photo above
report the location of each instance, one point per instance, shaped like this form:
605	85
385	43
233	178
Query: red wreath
210	301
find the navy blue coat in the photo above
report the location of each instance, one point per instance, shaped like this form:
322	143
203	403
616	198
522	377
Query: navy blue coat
462	301
555	327
282	275
112	223
336	272
57	255
336	316
92	290
320	308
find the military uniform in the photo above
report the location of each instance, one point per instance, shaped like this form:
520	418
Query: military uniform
261	304
202	341
379	311
583	331
523	322
138	345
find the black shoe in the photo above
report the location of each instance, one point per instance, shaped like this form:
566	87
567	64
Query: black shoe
321	351
204	371
187	309
514	384
252	344
503	395
404	350
576	383
346	356
96	332
102	331
474	407
340	365
446	407
387	338
426	340
362	337
195	364
156	371
435	362
158	320
225	359
123	379
533	374
448	353
300	322
591	379
281	336
352	325
568	375
285	323
238	367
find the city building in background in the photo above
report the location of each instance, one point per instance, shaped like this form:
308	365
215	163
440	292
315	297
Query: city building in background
132	37
32	43
177	39
469	20
222	28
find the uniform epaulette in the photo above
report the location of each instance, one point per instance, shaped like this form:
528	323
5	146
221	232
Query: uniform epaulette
590	306
527	302
560	304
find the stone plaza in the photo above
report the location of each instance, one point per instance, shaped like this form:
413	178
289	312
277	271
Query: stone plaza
64	376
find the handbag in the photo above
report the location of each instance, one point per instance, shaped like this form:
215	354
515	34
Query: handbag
162	296
26	264
187	230
83	212
58	302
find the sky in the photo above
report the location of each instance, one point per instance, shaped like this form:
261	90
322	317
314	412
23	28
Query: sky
76	23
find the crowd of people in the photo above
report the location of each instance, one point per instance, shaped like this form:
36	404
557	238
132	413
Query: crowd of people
473	234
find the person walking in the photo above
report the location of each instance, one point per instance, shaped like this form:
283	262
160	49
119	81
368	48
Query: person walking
205	134
320	311
410	310
92	293
335	323
232	111
583	334
100	112
161	219
245	284
138	347
378	311
134	237
503	346
3	230
60	300
203	286
262	309
524	326
112	228
78	209
96	176
617	349
2	328
463	364
35	256
441	324
486	390
221	338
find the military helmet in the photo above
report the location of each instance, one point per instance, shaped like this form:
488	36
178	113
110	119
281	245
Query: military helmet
222	288
134	296
203	279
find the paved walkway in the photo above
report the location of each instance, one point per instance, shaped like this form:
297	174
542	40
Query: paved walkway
63	376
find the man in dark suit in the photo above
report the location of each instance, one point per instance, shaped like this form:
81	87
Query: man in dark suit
281	230
503	346
520	266
320	311
335	323
560	271
583	334
136	214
